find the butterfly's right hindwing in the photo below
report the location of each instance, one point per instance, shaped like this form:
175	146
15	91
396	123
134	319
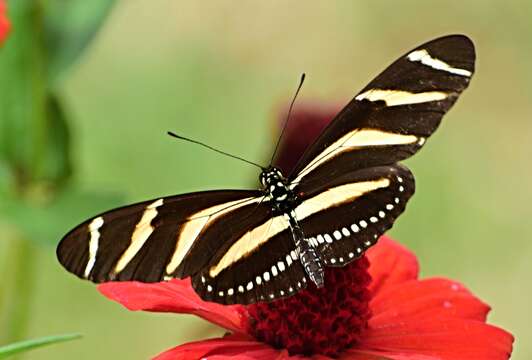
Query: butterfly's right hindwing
346	215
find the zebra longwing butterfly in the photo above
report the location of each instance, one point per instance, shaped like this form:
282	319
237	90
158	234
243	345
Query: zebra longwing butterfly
243	246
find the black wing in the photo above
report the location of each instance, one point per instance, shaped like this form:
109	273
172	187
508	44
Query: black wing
345	215
261	265
150	240
350	184
213	237
391	118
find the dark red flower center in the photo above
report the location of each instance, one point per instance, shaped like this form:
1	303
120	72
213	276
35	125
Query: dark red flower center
317	321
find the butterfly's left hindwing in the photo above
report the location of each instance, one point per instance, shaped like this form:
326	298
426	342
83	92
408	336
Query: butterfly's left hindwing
262	265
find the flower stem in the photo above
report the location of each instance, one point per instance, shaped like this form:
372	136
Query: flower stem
17	288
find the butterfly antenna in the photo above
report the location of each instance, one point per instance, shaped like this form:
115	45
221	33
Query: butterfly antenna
287	117
214	149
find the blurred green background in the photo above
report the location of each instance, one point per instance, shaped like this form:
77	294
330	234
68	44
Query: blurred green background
220	72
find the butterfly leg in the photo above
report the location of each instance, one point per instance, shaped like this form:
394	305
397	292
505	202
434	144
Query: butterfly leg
307	254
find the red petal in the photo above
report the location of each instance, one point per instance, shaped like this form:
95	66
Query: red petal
355	354
176	296
429	298
229	347
5	25
443	338
429	319
390	264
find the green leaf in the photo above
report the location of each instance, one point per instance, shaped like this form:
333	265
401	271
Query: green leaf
70	26
27	345
23	92
7	180
56	165
34	134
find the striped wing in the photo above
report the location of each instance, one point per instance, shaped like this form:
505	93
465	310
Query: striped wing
261	265
230	242
151	241
391	118
345	215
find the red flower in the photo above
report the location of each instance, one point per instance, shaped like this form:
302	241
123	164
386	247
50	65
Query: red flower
5	25
407	319
374	308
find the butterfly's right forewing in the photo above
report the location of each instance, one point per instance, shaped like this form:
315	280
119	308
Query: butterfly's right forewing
392	117
150	241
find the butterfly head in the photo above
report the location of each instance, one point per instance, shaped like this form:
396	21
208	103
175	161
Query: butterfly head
274	184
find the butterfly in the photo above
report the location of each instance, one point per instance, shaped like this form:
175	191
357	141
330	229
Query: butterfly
245	246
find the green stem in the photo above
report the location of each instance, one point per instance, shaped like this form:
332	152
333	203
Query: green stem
26	345
18	290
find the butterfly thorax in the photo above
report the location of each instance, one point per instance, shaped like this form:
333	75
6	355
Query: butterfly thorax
276	189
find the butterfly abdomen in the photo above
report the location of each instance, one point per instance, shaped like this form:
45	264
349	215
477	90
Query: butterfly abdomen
307	254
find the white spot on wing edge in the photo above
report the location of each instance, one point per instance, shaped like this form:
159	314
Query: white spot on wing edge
425	58
288	260
94	243
281	266
328	238
293	255
274	270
